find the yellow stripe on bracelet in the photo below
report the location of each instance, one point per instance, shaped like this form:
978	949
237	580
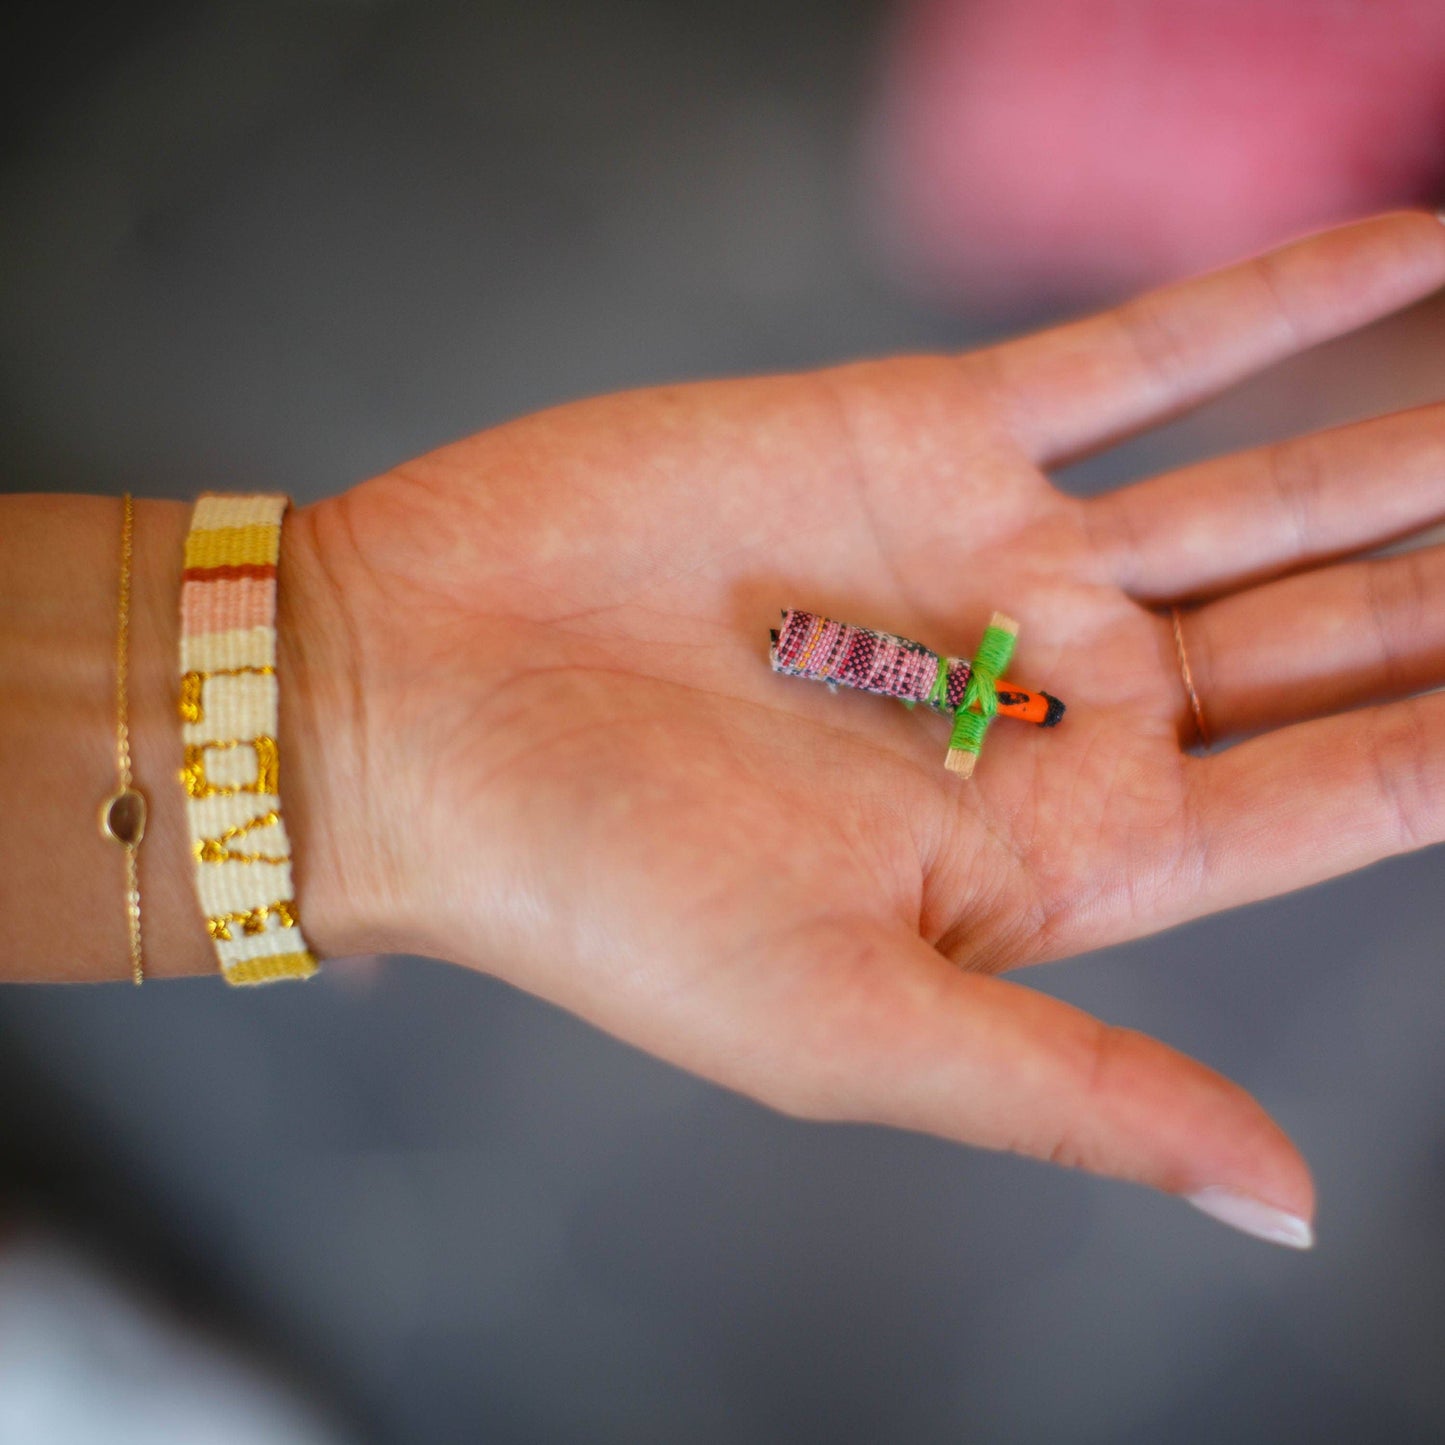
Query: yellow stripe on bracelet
229	716
233	546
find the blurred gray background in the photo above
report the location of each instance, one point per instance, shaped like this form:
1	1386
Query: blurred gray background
288	245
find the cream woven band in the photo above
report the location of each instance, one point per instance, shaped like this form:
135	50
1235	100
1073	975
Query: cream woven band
228	706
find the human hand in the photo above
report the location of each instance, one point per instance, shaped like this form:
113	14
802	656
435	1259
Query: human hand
566	760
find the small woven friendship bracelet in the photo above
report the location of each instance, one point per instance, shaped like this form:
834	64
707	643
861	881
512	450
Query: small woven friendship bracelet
842	654
229	713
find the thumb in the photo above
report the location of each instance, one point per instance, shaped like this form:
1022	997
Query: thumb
904	1037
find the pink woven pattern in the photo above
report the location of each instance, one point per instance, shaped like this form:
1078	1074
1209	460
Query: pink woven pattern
228	603
839	653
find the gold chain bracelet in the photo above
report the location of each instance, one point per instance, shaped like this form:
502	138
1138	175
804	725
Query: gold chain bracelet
123	814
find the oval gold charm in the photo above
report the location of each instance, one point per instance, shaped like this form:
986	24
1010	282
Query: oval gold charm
123	817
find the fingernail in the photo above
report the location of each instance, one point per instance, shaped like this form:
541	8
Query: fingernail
1253	1216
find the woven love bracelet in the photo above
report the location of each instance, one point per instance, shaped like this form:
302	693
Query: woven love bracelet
972	691
230	720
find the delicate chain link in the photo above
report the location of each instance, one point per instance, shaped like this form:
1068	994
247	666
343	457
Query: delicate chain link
122	647
132	917
122	743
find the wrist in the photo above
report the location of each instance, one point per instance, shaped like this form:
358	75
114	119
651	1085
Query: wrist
61	882
346	890
173	927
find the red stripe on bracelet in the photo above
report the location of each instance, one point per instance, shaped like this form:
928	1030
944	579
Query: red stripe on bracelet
265	570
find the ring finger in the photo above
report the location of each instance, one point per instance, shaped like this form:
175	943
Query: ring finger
1314	643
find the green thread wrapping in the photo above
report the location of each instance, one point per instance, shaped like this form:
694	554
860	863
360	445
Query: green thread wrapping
938	693
980	697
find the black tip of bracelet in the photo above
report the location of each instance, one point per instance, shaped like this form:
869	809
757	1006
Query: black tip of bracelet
773	633
1056	710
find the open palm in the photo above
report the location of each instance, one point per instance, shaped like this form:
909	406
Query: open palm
583	776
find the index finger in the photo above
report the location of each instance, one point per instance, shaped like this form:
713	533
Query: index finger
1075	388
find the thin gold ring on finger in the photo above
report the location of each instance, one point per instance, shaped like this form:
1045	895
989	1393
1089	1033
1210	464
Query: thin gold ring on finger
1195	706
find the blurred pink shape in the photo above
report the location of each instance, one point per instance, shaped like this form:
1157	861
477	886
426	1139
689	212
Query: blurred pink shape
1037	150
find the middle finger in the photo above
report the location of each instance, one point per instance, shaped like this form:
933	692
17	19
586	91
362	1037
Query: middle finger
1224	523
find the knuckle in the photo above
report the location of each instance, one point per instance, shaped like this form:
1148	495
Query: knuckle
1271	271
1397	604
1165	354
1080	1139
1407	778
1294	472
